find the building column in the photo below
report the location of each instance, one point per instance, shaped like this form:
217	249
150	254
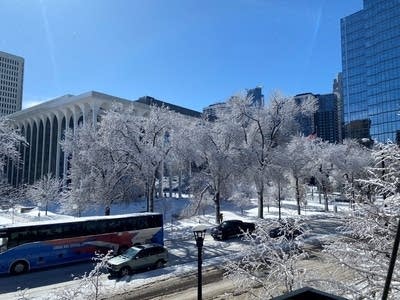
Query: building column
30	151
51	118
67	115
44	121
37	121
58	153
24	147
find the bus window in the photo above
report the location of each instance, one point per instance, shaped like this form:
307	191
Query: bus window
3	244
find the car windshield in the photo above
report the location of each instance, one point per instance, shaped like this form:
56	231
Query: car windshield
131	252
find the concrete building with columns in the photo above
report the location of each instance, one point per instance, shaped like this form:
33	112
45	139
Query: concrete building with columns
43	127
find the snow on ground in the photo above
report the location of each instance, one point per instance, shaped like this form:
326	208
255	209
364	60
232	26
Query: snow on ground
178	229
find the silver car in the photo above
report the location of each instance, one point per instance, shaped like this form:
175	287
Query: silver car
141	257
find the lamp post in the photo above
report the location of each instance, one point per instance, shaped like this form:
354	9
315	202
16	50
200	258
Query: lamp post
199	233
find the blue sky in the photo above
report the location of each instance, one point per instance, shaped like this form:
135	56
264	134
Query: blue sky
186	52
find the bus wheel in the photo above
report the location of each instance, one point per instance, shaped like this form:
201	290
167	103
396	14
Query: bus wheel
19	267
124	271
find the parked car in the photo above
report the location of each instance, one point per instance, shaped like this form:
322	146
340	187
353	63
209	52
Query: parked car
286	228
141	257
231	228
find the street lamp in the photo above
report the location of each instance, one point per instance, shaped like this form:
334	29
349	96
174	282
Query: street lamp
199	233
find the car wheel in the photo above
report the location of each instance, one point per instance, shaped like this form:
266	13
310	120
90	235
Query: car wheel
159	264
19	267
124	271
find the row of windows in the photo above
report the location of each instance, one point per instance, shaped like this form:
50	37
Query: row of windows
386	117
391	53
9	83
392	95
384	107
9	61
21	235
8	77
10	67
382	66
384	6
356	115
7	100
383	19
11	95
390	76
8	89
356	62
6	111
8	72
383	44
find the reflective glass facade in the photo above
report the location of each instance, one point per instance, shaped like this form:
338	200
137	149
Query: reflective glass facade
371	70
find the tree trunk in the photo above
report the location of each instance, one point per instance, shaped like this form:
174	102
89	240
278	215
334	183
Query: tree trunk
324	189
298	196
279	201
217	208
319	194
151	195
161	181
180	184
170	184
261	200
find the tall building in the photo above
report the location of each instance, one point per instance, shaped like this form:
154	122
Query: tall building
325	123
338	91
256	96
307	124
326	119
371	71
11	83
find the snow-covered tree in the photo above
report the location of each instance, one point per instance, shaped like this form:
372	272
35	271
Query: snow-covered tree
322	163
90	285
263	129
10	140
352	160
96	171
45	191
216	156
122	151
370	231
269	266
297	164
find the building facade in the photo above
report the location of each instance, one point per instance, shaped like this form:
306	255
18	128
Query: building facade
326	119
11	83
371	71
325	123
43	127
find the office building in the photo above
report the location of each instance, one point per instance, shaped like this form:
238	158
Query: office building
325	122
11	83
371	71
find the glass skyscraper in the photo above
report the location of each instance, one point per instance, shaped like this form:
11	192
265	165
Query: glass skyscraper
371	71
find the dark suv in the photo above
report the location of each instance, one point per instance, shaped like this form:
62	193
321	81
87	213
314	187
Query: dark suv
231	228
136	258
